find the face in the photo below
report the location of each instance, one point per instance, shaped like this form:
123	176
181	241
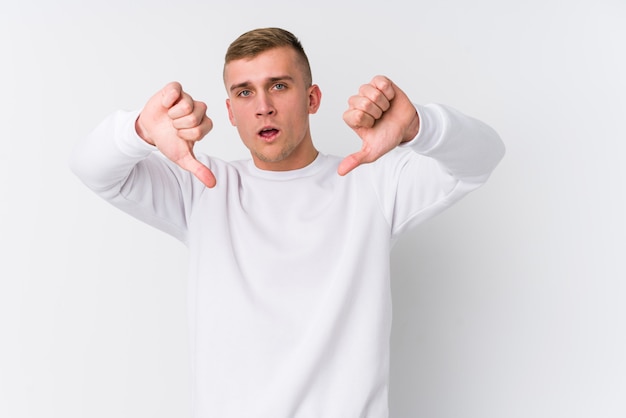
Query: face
269	103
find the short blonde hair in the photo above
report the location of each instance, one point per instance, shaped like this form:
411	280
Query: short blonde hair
254	42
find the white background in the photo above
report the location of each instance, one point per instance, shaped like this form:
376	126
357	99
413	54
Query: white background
510	304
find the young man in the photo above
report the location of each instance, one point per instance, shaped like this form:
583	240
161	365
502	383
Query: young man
289	292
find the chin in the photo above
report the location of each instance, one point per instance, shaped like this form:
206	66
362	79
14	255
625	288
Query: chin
273	157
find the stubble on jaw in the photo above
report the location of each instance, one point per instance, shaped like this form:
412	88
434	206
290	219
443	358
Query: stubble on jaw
286	152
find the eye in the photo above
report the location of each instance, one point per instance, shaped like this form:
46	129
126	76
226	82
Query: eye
244	93
279	86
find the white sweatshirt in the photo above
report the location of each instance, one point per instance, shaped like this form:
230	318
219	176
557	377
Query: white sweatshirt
289	288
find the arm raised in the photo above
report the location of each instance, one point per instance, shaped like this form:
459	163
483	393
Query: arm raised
173	122
383	117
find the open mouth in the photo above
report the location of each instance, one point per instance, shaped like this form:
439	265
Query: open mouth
268	133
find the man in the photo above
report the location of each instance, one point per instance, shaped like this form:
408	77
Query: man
289	293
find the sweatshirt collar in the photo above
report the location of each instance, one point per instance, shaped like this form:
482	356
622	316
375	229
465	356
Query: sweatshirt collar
309	170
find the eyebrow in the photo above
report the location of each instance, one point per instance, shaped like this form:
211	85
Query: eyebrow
269	81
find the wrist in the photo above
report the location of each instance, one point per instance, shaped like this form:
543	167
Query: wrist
412	129
141	131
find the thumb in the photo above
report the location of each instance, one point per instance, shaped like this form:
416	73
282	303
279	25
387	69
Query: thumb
351	162
201	171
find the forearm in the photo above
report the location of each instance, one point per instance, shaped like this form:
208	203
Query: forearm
119	166
104	159
451	155
465	147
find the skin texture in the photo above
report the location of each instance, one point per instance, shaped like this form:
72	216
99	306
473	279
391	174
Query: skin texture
383	117
269	103
172	121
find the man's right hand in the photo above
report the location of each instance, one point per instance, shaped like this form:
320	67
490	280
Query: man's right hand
173	122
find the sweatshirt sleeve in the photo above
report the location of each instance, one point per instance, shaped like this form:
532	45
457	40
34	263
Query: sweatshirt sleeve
119	166
452	155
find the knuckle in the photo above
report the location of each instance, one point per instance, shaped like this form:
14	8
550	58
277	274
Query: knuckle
190	134
364	120
196	133
201	106
381	80
351	118
185	107
361	103
194	119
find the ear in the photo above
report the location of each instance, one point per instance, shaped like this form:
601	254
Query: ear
231	117
315	98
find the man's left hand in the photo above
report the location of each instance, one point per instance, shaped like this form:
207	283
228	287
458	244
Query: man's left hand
383	117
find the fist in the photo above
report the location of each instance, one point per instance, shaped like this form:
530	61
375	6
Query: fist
382	116
173	122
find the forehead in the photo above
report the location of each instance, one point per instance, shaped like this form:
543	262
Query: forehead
275	62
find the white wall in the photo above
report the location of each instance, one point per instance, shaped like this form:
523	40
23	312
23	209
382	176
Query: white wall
511	304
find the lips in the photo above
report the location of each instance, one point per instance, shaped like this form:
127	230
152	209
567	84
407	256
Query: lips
268	134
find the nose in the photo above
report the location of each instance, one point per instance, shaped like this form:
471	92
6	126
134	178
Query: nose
264	105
